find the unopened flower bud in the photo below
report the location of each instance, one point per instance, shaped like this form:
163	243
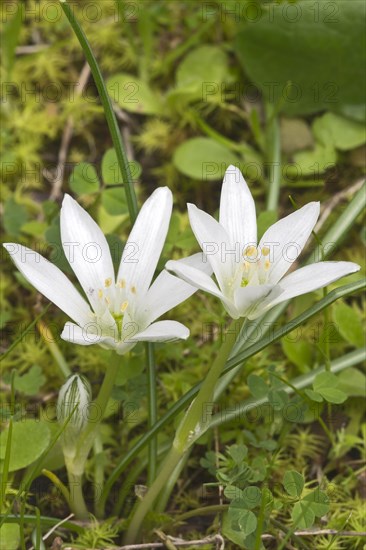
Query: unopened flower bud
73	403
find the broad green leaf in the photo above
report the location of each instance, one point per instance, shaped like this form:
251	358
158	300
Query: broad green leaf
57	255
314	396
295	135
313	162
201	73
9	536
352	382
349	324
30	382
114	201
15	216
319	502
34	228
251	496
312	46
326	383
111	173
257	386
342	132
84	179
238	453
232	534
130	368
302	515
278	399
294	483
133	94
299	353
242	519
30	438
203	159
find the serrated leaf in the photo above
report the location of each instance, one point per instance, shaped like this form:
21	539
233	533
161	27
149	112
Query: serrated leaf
84	179
29	439
294	483
203	159
349	324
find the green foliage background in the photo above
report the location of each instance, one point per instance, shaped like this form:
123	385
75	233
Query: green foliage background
196	86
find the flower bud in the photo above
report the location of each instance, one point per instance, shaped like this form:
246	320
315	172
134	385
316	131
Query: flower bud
72	406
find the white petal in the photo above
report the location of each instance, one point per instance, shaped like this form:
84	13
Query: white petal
237	209
50	281
202	281
310	278
213	239
286	239
87	336
86	249
247	297
194	277
145	243
162	331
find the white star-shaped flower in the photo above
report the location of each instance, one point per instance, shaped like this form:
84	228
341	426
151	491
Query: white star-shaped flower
123	308
250	276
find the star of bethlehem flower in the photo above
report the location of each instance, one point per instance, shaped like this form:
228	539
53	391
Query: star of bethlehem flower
250	276
122	309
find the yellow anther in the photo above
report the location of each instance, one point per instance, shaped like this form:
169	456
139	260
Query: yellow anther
100	294
107	301
121	283
124	306
108	282
265	251
250	251
267	264
133	289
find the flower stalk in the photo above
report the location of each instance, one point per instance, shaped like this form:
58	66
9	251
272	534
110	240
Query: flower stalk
192	427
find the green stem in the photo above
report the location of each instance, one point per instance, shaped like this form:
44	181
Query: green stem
274	161
236	360
152	411
192	426
100	404
98	473
108	110
77	502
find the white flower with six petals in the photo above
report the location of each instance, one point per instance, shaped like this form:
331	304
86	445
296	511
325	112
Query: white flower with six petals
123	308
251	277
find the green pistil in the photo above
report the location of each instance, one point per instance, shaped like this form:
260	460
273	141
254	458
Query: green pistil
244	282
119	320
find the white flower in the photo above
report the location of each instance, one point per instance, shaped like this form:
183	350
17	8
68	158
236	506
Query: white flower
123	308
250	276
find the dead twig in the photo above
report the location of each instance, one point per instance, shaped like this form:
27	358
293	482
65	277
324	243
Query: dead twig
56	179
334	201
177	542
